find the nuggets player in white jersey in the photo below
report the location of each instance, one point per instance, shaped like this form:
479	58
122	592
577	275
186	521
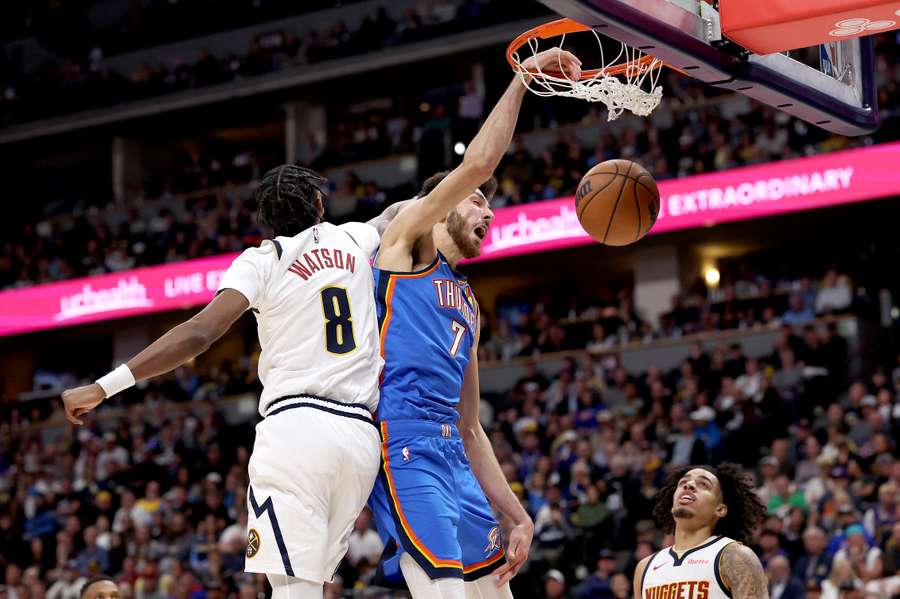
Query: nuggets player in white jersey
316	452
713	513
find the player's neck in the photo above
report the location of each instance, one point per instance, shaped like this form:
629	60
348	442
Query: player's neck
445	245
687	537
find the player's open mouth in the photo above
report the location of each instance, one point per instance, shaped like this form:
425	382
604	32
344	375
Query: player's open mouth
481	232
686	498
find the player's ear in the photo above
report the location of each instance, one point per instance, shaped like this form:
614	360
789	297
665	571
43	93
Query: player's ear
320	204
721	510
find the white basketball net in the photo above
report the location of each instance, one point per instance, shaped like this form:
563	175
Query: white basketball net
636	91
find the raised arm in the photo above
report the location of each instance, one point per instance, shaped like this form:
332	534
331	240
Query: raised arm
489	474
742	573
479	161
182	343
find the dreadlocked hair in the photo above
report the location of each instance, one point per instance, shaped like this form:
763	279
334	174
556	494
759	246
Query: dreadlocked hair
286	198
745	510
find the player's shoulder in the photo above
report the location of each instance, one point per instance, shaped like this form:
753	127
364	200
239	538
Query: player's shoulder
735	551
363	235
265	249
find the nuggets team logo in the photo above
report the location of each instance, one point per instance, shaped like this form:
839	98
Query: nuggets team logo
493	541
252	543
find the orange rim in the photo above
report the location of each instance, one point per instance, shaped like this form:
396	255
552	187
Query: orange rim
564	26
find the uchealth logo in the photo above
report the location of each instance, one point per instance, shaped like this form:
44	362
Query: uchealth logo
856	26
128	293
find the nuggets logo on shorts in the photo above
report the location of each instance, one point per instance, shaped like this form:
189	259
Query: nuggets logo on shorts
493	540
252	543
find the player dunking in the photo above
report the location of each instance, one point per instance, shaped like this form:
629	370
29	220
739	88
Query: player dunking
429	501
316	452
713	512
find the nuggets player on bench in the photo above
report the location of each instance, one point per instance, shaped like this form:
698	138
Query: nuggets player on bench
713	513
317	450
429	501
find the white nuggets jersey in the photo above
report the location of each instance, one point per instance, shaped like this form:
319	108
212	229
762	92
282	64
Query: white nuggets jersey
313	298
695	575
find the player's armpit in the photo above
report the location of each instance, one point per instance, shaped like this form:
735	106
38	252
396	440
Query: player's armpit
387	216
639	575
743	573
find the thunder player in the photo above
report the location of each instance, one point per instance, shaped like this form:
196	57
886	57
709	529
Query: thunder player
429	501
316	453
713	512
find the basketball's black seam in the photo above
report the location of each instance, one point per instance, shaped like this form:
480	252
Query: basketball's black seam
595	194
612	216
638	181
652	193
637	206
591	197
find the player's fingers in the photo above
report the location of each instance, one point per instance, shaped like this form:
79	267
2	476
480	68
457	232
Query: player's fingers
508	574
573	58
71	418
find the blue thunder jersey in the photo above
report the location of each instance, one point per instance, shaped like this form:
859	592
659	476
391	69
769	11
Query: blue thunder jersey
427	320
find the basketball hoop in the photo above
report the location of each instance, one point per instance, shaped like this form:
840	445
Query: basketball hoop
629	84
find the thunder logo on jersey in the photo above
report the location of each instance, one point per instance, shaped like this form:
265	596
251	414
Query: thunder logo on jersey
686	589
428	321
453	296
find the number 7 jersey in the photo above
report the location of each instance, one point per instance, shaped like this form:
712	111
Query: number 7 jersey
312	298
427	322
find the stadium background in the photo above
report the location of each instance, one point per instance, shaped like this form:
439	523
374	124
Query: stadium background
132	134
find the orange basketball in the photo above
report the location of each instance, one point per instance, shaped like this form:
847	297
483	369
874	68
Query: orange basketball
617	202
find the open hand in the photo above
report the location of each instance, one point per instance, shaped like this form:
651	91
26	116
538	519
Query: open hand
555	60
81	400
516	552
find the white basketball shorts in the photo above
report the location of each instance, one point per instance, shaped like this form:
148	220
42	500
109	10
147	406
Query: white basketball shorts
313	465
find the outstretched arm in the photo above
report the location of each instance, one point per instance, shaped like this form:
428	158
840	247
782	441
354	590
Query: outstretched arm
479	161
182	343
743	573
490	476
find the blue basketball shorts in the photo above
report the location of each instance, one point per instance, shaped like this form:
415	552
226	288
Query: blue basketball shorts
428	503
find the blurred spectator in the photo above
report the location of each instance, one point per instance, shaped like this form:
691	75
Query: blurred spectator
782	585
798	312
554	585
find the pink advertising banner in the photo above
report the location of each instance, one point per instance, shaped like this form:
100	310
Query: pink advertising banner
703	200
129	293
738	194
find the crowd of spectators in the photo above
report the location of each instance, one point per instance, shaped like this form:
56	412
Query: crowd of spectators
126	26
608	319
152	490
83	81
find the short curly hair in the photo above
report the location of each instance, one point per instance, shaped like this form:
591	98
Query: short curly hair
91	582
745	510
488	188
286	199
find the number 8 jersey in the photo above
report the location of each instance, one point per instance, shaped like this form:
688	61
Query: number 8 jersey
312	298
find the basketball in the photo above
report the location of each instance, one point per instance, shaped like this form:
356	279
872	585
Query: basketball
617	202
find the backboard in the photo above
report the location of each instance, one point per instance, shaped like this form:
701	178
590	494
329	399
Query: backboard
837	94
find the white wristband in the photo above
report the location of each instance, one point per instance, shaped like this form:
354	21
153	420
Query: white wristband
116	381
